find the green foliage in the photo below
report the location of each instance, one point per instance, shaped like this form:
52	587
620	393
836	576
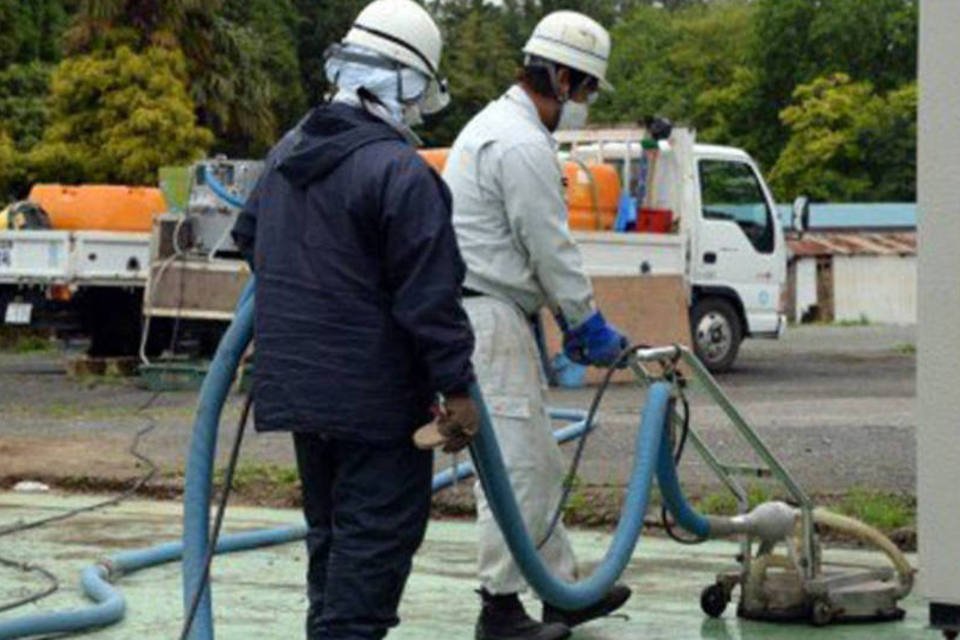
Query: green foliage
321	24
9	171
31	30
23	112
796	41
760	74
241	61
663	62
479	68
272	25
885	511
117	117
848	142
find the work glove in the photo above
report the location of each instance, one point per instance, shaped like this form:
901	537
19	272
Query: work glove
594	342
456	421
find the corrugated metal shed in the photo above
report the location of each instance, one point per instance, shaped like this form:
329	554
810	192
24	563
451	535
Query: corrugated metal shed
854	244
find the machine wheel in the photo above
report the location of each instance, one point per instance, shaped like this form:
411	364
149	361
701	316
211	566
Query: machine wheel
717	333
713	600
821	613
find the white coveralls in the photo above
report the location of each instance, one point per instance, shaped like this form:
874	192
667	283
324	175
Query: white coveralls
510	219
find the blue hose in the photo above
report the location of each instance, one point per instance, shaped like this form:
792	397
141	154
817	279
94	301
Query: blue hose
673	498
221	191
203	447
109	604
496	484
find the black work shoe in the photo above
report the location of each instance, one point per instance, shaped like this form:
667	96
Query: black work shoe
614	599
504	618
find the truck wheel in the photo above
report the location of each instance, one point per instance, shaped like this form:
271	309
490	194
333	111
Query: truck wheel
717	333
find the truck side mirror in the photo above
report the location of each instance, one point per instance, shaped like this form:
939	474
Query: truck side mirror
801	214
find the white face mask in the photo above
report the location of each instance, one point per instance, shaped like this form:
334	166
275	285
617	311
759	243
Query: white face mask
573	115
412	114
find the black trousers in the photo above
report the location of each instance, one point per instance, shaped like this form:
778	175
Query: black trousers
366	509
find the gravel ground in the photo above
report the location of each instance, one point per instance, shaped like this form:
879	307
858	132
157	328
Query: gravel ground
836	404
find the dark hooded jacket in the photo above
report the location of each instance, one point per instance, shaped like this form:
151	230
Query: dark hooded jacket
358	318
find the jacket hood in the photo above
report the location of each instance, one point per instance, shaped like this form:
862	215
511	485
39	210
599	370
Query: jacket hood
325	138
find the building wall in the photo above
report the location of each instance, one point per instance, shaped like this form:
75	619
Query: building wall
938	347
882	289
806	287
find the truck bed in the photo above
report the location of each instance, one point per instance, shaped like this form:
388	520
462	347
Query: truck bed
606	253
88	258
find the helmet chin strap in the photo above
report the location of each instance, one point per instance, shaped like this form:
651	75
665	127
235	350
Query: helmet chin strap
372	105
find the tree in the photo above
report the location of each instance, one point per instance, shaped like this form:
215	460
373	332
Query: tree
23	111
31	30
272	25
479	67
848	142
9	167
663	61
231	67
117	117
796	41
321	24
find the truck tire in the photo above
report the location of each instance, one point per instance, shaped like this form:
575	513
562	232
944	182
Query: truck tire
717	333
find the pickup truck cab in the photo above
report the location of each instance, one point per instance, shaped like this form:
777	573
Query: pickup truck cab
725	238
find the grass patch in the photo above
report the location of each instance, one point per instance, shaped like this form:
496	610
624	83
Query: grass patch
723	503
25	340
862	321
905	348
256	474
885	511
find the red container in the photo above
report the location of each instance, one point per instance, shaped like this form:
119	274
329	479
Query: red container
654	220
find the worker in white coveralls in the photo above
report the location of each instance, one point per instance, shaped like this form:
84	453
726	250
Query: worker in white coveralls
510	219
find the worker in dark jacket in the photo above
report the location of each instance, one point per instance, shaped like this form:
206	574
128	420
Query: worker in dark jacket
359	325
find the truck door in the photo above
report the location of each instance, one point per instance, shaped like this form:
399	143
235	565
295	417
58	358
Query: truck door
738	243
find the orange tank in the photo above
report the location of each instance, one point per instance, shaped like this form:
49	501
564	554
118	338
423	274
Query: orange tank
593	194
585	213
97	207
436	158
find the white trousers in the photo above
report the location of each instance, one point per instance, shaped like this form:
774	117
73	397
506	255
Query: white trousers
507	365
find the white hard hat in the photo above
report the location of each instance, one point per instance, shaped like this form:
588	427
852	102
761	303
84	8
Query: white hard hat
573	40
403	31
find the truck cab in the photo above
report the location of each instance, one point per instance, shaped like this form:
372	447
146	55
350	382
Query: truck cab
732	251
737	256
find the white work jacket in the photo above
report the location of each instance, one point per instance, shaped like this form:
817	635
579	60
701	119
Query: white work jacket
509	211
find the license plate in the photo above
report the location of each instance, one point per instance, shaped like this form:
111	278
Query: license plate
18	313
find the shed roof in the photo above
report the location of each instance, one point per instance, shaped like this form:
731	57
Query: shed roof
902	243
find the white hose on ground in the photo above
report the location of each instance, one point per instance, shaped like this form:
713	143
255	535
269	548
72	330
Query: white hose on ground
868	534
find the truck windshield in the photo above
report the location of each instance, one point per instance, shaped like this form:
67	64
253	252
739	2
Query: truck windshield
731	191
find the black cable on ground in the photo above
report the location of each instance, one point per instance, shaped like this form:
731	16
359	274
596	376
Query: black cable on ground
668	525
218	519
570	480
54	583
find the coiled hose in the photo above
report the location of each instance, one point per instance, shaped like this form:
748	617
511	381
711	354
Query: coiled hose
487	459
652	454
96	581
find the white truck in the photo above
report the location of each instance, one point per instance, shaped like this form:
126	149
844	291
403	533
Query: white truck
90	282
728	245
727	242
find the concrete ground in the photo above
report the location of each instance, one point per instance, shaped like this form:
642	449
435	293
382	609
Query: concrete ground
259	594
835	403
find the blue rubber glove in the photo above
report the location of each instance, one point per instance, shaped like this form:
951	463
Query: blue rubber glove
594	342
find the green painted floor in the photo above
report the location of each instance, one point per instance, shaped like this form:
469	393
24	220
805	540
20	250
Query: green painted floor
259	594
